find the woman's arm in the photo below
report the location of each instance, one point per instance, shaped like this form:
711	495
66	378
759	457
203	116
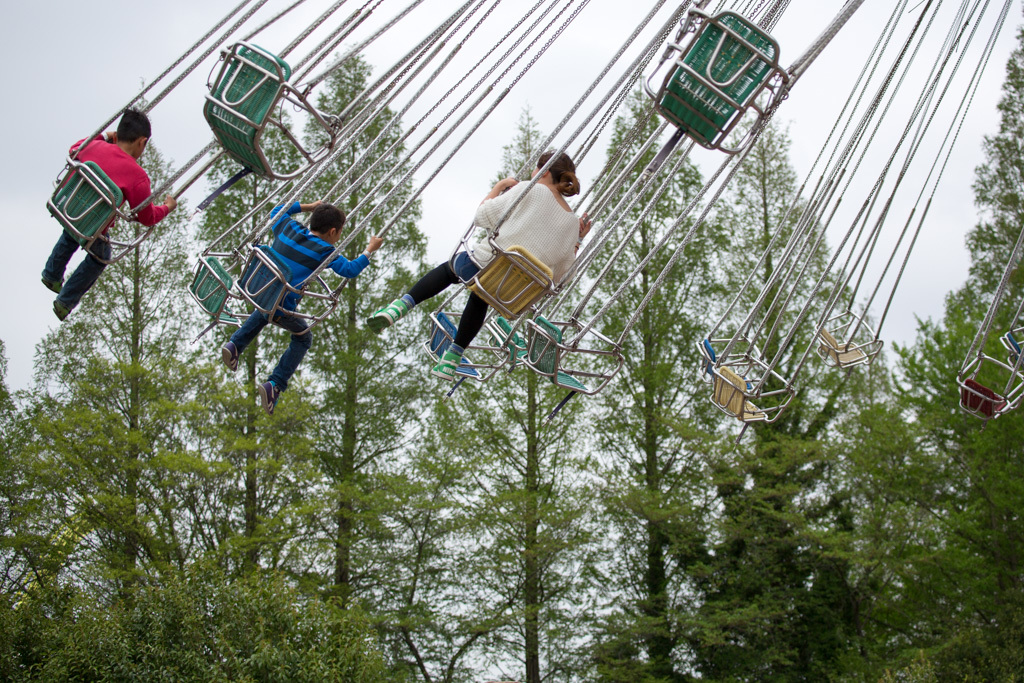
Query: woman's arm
500	187
585	225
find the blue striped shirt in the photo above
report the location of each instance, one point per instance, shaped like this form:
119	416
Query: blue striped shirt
302	251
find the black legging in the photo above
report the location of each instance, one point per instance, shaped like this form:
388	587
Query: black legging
438	280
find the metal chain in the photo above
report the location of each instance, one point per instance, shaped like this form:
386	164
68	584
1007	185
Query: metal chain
309	29
962	115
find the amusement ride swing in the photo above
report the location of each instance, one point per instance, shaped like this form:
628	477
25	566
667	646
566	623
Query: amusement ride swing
516	282
86	202
738	393
265	280
719	82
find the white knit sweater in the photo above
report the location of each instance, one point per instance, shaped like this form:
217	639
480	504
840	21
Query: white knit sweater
538	223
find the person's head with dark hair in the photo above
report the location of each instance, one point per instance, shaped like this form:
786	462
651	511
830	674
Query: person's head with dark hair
133	132
563	173
133	125
327	221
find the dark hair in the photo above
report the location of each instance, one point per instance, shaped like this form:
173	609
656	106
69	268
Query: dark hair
134	125
563	172
325	217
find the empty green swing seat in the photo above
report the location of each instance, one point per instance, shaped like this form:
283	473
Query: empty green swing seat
248	86
509	340
544	356
210	288
737	71
86	200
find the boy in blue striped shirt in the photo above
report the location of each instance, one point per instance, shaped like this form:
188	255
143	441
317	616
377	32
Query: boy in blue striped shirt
302	249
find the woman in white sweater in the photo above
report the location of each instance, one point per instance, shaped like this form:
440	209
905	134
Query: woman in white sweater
542	222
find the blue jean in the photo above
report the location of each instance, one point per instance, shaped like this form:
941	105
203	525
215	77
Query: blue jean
292	356
85	275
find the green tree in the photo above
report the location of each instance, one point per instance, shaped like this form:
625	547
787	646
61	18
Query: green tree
966	481
202	626
654	429
113	398
777	590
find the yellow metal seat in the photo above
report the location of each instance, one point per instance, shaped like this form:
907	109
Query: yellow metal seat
513	281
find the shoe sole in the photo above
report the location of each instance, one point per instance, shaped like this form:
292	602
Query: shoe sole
231	362
378	323
443	375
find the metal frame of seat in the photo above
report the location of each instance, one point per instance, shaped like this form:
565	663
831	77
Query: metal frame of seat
224	109
690	93
442	332
84	193
978	399
566	363
846	354
747	374
513	281
211	289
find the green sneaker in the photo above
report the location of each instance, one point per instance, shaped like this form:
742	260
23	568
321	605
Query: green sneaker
387	316
60	310
447	367
53	286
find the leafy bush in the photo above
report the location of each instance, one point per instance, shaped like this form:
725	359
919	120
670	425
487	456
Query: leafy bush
204	627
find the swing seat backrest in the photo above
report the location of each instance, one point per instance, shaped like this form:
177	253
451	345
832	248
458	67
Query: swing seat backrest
504	337
544	351
841	354
720	62
709	360
544	355
511	338
979	399
513	281
729	393
1012	346
441	338
210	287
85	201
260	284
248	87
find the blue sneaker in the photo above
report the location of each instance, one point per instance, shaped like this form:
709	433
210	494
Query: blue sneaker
229	354
53	286
60	310
269	394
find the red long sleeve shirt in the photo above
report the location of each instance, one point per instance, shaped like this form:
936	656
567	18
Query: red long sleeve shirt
126	173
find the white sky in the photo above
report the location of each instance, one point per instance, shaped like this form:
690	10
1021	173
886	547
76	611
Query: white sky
72	65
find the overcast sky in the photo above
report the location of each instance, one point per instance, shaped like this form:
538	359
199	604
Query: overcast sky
72	65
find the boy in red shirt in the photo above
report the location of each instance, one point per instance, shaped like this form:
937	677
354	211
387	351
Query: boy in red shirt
118	155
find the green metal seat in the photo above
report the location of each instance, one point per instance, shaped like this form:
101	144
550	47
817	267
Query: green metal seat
210	289
503	337
544	356
718	76
248	87
85	201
